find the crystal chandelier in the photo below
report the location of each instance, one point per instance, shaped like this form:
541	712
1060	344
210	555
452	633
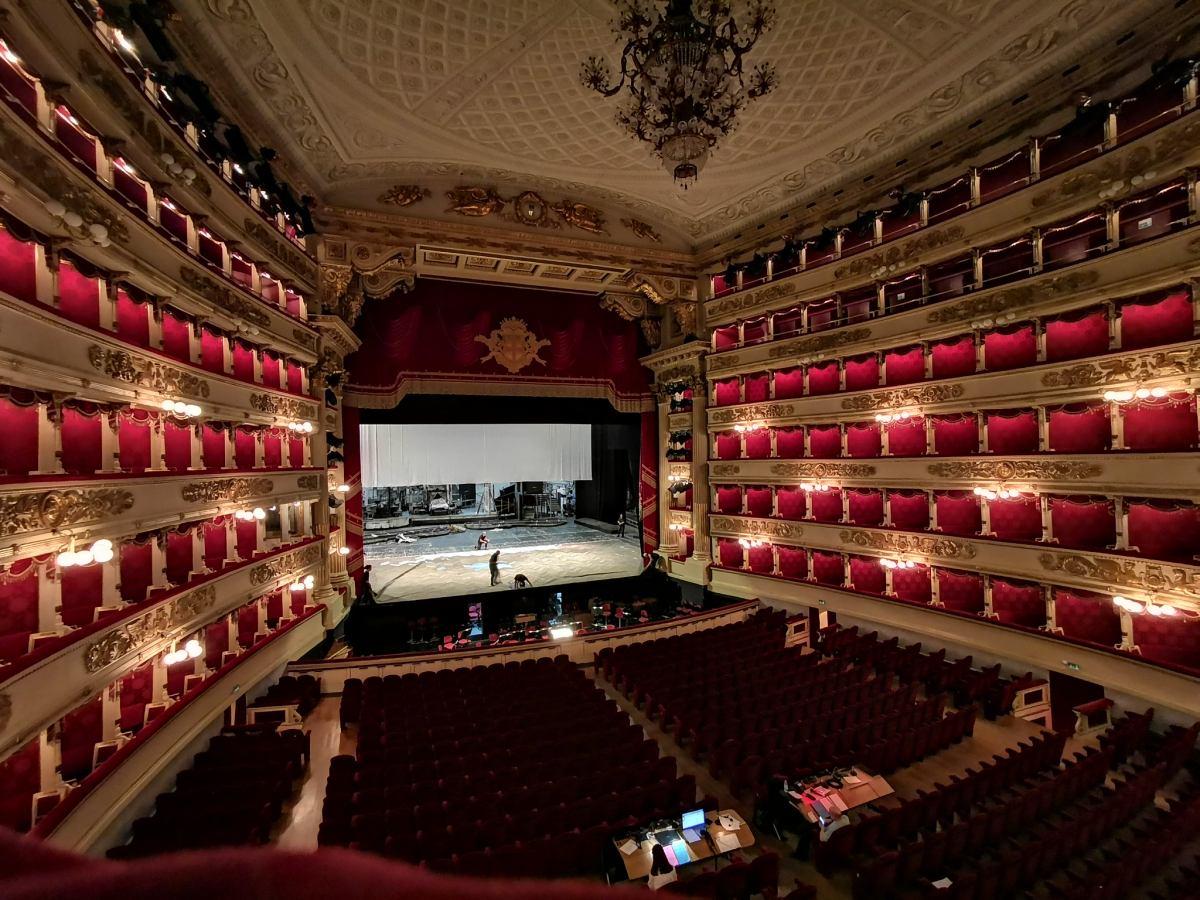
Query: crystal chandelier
685	76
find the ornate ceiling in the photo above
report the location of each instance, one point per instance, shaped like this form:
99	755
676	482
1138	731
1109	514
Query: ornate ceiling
364	95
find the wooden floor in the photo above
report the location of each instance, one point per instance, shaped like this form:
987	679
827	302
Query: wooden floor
302	818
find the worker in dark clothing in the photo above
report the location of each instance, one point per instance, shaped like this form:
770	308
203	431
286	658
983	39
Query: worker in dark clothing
482	542
621	525
494	567
520	581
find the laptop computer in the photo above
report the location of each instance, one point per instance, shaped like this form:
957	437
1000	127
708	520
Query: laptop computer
667	838
691	824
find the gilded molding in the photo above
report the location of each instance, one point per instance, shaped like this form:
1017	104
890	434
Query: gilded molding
1013	298
751	413
931	393
1143	367
756	527
308	482
224	297
901	256
722	362
823	470
283	406
725	469
1015	470
1130	573
304	338
228	489
748	299
56	509
145	373
156	625
276	246
818	343
284	565
908	543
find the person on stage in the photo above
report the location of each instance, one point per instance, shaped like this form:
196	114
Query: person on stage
621	525
494	567
482	542
520	581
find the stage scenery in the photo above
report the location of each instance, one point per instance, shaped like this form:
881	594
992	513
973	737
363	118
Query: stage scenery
455	509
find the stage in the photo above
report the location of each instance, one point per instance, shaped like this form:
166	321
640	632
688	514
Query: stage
449	565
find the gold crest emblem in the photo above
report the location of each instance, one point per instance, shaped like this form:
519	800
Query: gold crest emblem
403	194
512	345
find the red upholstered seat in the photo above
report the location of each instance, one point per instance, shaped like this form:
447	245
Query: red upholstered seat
759	501
1169	639
729	552
762	560
827	568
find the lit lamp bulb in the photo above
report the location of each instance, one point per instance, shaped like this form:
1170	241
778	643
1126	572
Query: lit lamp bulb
1142	393
193	648
84	558
66	559
102	551
344	551
1158	392
297	585
343	488
309	581
260	513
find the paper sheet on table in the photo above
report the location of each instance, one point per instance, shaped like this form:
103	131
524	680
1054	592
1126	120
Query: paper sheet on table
942	883
628	847
728	841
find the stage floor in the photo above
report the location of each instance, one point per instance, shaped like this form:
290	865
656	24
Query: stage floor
449	565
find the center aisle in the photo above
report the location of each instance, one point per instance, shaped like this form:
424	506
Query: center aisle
302	818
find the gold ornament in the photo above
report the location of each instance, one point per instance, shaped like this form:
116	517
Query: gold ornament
403	194
474	201
512	345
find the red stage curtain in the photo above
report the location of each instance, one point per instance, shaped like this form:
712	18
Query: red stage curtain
133	439
866	575
728	392
18	608
177	440
247	537
906	437
823	378
910	510
1164	530
137	570
1079	428
729	552
213	442
1167	423
79	296
1083	523
80	730
216	642
82	593
792	502
1161	318
826	505
212	350
862	373
243	361
1170	640
960	591
866	507
175	335
20	779
1016	520
793	563
789	383
726	337
1077	335
19	424
789	442
729	445
912	585
133	320
244	447
863	439
81	424
958	512
759	501
179	557
1087	617
18	266
827	568
955	435
729	499
1018	603
215	544
824	441
273	448
1012	432
904	366
762	560
758	387
758	444
1009	348
953	357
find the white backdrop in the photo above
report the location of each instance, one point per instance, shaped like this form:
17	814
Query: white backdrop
398	455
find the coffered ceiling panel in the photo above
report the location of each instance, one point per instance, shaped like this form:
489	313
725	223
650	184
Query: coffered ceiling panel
362	95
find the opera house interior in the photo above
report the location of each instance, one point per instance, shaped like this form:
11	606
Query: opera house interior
434	433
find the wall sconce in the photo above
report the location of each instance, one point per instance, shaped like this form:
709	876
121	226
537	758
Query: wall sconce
1141	393
747	543
247	515
99	552
998	493
180	408
343	488
745	429
1134	607
818	487
302	427
898	563
884	418
190	650
344	551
